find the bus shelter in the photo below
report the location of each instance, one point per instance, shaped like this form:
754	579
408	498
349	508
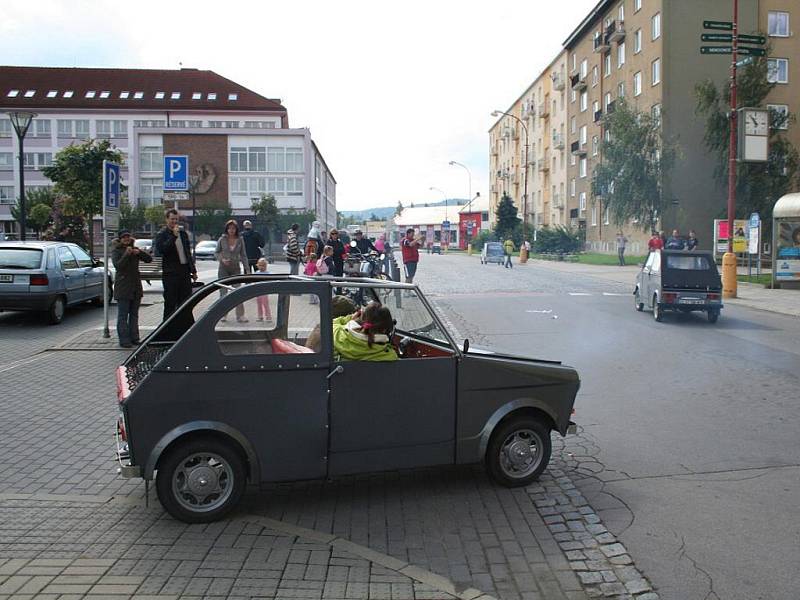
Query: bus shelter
786	241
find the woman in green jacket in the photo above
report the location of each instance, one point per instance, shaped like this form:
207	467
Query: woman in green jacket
364	335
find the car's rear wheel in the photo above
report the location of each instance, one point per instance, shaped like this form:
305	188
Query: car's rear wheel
518	452
658	312
55	314
201	480
637	300
713	315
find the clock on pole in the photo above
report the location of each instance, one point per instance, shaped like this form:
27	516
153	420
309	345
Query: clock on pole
753	135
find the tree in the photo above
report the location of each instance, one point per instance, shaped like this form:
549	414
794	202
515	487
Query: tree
399	208
154	215
38	209
507	220
636	161
212	220
267	215
758	185
77	172
304	218
131	218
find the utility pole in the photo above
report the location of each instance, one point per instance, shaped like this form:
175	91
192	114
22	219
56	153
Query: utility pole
729	258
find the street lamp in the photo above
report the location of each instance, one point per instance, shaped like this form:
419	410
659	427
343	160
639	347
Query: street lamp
469	175
444	243
21	122
523	254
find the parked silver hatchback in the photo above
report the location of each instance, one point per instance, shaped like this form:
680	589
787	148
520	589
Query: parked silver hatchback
48	277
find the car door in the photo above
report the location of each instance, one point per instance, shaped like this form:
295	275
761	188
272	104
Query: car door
644	280
397	414
92	276
655	276
73	275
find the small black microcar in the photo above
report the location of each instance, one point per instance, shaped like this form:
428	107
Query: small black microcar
241	385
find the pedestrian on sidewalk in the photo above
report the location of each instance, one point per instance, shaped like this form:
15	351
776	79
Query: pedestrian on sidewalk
293	253
338	253
253	245
410	249
655	242
508	247
621	242
127	287
692	241
231	256
313	241
177	265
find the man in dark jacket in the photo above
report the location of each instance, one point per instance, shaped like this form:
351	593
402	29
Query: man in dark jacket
364	244
127	287
253	244
177	263
339	252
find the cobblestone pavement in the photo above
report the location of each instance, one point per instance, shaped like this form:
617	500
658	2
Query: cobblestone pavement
70	528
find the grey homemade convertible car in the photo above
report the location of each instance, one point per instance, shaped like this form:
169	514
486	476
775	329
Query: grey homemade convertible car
209	402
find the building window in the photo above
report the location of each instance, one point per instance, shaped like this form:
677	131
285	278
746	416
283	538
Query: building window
124	95
778	24
238	159
779	116
138	95
151	190
606	216
69	94
573	125
584	68
595	145
637	5
637	41
573	160
30	93
257	159
233	97
608	99
156	123
7	194
574	62
595	109
655	26
594	215
6	161
37	160
160	95
103	129
259	124
151	159
778	70
621	89
655	113
90	94
621	12
595	76
5	128
637	83
175	96
41	128
105	94
212	96
584	100
607	63
583	136
582	167
294	160
656	71
52	93
620	55
13	93
582	201
573	95
197	96
572	187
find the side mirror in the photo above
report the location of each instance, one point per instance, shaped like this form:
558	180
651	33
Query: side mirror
98	263
466	346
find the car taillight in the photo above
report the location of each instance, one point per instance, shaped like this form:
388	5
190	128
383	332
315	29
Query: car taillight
123	436
123	391
39	280
713	296
669	297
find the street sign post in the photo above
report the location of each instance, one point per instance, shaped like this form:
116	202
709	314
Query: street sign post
111	201
720	25
176	173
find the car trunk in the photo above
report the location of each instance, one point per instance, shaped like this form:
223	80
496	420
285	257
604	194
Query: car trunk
17	267
690	272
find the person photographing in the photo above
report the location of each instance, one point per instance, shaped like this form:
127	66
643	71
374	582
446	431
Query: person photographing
177	263
128	290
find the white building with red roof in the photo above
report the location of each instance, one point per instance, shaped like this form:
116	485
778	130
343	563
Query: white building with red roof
239	142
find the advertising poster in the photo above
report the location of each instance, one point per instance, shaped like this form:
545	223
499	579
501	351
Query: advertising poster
787	251
740	239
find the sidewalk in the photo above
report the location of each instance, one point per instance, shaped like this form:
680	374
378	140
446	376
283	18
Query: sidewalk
751	295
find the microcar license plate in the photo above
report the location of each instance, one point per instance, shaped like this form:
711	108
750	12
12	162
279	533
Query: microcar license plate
6	279
691	301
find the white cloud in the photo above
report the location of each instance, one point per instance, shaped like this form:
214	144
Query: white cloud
391	91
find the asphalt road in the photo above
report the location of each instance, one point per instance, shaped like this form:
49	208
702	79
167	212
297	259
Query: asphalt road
689	449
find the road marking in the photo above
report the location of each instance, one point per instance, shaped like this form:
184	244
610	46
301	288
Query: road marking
579	294
541	312
24	361
614	294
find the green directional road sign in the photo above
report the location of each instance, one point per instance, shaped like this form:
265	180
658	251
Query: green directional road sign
748	51
716	37
744	61
751	39
723	25
716	50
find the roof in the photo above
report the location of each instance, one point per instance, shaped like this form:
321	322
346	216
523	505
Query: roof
479	204
587	23
787	206
425	215
130	89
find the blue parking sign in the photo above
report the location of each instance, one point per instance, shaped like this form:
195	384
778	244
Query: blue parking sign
176	173
111	186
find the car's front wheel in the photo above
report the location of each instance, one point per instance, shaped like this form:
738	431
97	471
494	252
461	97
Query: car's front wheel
518	452
637	300
201	480
55	314
658	312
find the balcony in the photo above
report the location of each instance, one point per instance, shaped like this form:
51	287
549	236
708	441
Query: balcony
543	164
558	81
558	141
577	149
616	31
598	116
543	111
600	43
577	82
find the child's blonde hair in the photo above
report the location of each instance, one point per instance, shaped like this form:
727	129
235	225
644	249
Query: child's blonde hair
261	261
312	256
327	251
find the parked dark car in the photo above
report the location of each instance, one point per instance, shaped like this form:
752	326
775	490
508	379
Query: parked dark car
493	252
48	277
679	281
205	410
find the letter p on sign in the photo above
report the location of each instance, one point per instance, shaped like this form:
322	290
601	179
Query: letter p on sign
174	167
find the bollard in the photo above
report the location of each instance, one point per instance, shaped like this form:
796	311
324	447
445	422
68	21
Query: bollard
729	284
469	249
523	255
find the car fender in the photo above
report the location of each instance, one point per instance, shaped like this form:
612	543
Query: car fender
500	413
194	426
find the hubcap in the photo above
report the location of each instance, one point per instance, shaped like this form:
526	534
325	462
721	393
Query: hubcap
520	454
202	482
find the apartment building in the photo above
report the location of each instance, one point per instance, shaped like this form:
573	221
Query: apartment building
648	51
542	112
239	142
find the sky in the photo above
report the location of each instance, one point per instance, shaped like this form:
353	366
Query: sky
390	91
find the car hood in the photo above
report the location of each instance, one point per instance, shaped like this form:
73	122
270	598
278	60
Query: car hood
480	351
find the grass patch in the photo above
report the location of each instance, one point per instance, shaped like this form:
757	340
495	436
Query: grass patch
763	279
592	258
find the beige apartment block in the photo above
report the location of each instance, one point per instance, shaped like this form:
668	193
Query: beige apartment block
540	124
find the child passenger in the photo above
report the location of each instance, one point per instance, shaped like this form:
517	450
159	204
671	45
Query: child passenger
264	312
364	335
